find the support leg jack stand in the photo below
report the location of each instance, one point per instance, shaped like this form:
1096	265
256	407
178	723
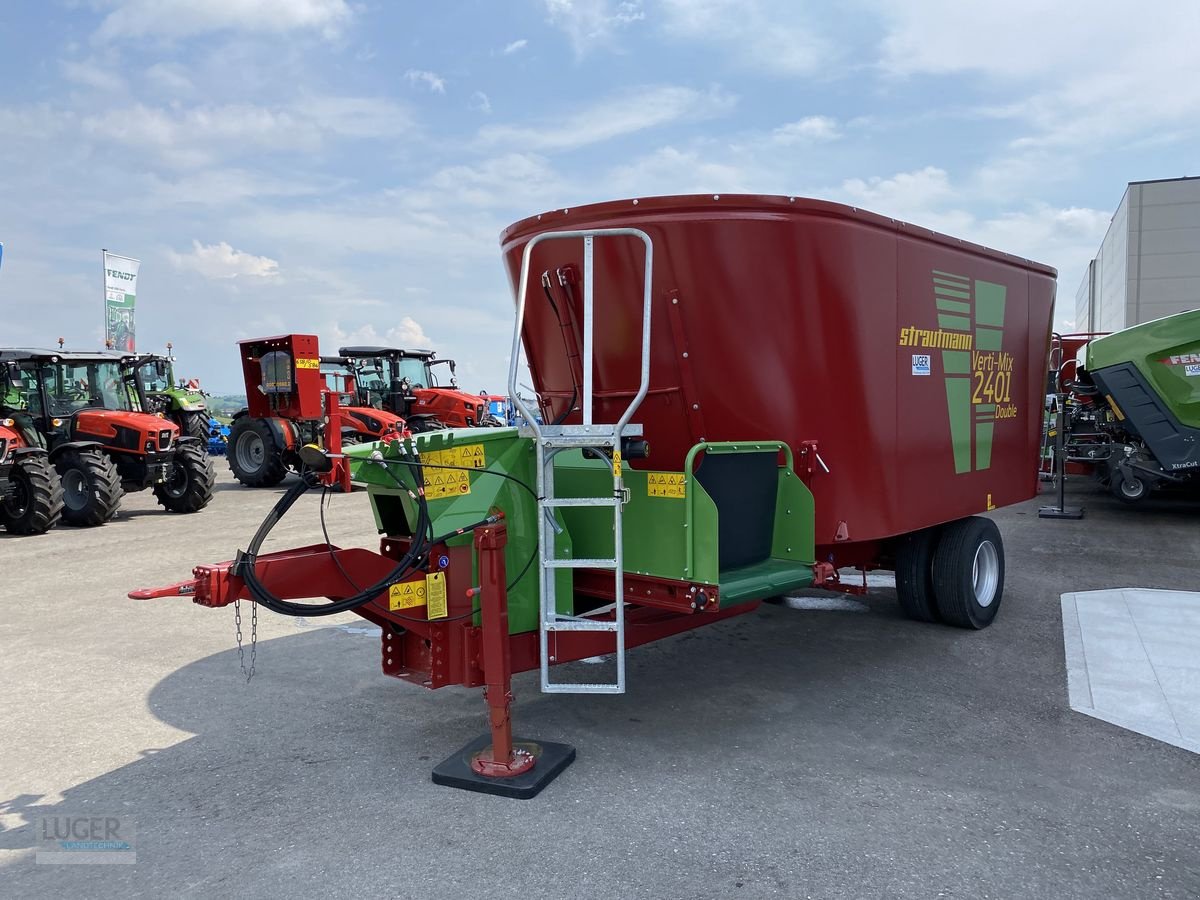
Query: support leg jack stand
1061	510
494	763
460	769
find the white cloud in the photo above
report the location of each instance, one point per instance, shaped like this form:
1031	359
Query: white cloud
774	37
1083	76
590	24
92	75
222	261
170	78
906	195
515	47
504	181
809	130
183	18
407	334
672	171
436	83
624	114
480	102
200	135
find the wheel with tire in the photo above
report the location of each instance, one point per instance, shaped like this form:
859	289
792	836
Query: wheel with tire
189	487
1133	489
255	457
418	424
35	503
968	572
91	487
197	425
914	574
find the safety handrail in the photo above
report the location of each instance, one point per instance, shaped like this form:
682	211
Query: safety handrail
514	358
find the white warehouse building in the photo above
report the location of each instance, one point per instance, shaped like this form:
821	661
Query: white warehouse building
1148	265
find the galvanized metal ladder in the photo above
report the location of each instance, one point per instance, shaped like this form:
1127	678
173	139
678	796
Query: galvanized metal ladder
590	435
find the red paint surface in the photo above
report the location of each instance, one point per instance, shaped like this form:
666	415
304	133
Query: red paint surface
790	314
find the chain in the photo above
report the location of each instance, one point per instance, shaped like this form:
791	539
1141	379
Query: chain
237	625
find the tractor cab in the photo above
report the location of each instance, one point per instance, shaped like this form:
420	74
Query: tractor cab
405	382
181	402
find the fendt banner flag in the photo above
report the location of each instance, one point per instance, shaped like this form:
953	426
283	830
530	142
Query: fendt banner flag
120	293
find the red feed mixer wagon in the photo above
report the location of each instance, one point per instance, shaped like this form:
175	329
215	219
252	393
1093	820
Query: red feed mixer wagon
737	396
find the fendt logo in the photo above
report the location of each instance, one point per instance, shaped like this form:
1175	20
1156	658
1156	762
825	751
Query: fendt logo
122	276
978	374
1182	359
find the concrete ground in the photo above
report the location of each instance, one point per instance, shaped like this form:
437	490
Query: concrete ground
790	753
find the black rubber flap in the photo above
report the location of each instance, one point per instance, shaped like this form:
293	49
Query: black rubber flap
744	487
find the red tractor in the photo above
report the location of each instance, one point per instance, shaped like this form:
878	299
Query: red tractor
290	404
85	410
403	382
31	495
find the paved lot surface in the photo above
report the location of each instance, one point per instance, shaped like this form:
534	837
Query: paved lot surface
1133	659
789	753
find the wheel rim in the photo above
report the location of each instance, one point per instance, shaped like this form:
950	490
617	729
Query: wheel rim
75	490
250	452
18	499
178	482
1132	487
985	573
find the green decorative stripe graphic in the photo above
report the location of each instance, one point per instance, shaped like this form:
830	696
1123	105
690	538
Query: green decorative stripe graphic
964	304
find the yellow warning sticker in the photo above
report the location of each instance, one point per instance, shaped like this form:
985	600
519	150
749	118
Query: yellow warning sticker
406	595
447	471
617	463
307	363
665	484
435	593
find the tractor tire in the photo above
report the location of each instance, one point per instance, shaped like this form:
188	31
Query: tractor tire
91	487
190	485
197	425
36	502
254	457
1128	490
968	573
419	424
914	574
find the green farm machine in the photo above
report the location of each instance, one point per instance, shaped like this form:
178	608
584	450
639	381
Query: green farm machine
1132	406
180	401
736	398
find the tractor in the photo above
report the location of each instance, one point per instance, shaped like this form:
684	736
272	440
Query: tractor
31	495
403	382
85	410
291	403
181	402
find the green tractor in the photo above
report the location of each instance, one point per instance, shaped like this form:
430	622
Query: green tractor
1140	392
180	401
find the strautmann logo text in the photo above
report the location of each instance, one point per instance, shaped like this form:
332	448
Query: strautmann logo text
978	374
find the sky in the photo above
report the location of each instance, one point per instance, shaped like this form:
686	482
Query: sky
344	168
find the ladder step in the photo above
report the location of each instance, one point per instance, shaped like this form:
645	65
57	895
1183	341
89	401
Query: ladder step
580	442
581	501
580	625
580	563
570	688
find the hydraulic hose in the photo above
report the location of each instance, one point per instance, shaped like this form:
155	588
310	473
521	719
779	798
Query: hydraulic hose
246	560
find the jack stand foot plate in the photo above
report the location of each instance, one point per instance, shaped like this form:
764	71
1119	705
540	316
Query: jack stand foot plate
1060	512
455	770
